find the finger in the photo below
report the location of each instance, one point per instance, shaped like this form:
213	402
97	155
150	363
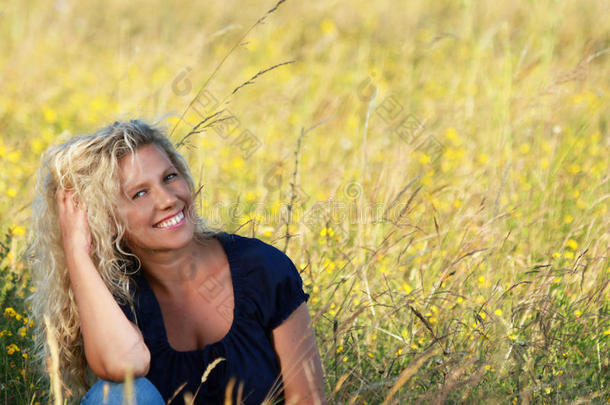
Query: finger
61	198
78	203
66	201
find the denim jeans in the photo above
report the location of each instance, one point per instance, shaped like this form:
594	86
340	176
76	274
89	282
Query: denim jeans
144	393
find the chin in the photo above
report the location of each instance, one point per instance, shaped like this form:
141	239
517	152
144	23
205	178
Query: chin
169	241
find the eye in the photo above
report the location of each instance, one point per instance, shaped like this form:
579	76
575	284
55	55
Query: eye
171	176
136	195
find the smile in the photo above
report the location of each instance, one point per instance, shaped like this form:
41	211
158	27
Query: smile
172	222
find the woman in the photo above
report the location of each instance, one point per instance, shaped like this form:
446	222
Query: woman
134	282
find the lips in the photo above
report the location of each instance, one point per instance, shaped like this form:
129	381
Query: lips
171	221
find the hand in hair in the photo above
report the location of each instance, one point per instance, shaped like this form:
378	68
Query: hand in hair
113	344
72	215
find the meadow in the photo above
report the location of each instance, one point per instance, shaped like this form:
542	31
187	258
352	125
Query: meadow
438	172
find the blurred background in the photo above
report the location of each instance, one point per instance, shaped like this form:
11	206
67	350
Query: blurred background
438	172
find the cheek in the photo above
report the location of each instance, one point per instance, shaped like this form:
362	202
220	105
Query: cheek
134	221
184	188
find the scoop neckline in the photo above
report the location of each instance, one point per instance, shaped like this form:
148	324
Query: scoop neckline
225	242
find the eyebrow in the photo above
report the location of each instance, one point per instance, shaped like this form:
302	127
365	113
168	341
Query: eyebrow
130	187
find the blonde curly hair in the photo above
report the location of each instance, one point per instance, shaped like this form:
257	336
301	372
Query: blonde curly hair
88	165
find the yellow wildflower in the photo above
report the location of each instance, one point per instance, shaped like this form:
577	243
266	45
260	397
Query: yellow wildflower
18	230
49	114
250	196
37	145
327	26
14	156
9	312
574	168
572	244
453	136
524	148
327	231
12	348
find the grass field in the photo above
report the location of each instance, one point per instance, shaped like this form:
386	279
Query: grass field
441	169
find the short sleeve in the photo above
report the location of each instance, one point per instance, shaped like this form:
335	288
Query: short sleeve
286	290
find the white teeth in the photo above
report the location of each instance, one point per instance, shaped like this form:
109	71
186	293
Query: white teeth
172	221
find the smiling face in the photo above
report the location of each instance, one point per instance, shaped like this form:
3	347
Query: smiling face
155	200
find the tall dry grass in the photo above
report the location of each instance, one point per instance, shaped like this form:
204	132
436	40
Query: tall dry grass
460	258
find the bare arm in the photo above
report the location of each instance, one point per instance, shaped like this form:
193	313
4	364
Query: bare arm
112	342
300	363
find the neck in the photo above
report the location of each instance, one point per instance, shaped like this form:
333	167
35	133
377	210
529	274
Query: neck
173	271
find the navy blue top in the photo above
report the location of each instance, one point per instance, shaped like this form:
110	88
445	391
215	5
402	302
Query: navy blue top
267	288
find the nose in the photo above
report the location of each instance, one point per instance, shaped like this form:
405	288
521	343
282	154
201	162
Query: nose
165	198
